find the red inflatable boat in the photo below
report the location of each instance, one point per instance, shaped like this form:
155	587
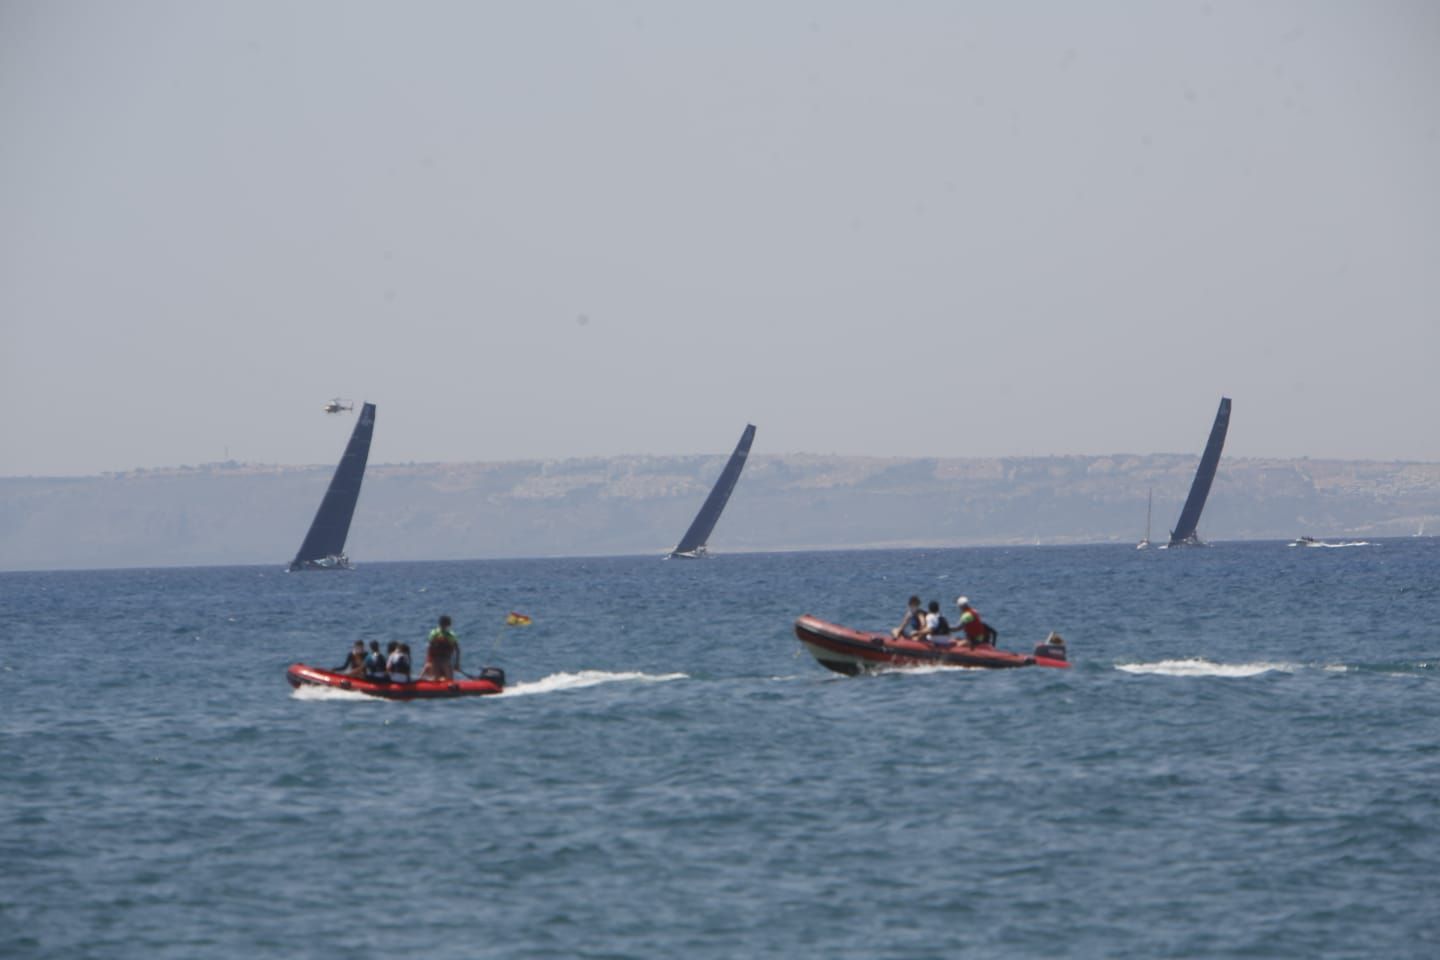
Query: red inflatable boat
490	680
851	651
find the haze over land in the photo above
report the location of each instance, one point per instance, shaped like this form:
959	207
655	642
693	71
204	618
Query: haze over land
239	513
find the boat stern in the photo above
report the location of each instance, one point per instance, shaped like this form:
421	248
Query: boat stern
1052	652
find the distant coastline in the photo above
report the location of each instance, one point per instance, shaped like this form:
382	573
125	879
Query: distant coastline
242	513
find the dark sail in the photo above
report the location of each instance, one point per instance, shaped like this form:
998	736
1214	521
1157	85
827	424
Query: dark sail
1184	532
693	543
324	546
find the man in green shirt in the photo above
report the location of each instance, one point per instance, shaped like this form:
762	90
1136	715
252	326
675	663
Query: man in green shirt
442	655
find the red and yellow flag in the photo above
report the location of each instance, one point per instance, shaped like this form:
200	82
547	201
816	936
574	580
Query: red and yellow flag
514	619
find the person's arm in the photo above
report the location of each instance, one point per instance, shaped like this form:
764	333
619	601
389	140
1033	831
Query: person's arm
457	653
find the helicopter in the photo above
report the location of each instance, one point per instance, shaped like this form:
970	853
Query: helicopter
338	405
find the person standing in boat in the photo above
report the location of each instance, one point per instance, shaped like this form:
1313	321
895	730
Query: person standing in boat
442	654
913	621
976	630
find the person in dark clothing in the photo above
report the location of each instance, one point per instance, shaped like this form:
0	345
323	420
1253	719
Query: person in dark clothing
354	665
913	620
375	664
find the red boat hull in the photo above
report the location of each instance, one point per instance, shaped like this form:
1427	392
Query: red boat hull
301	675
852	651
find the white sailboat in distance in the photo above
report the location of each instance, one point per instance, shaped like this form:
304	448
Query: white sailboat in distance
1149	502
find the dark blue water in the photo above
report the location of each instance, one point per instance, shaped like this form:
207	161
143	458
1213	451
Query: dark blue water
1244	762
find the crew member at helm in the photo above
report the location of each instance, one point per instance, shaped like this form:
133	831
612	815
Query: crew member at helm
442	654
976	631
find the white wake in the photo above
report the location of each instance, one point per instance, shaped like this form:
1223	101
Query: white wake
307	691
920	670
586	678
1197	667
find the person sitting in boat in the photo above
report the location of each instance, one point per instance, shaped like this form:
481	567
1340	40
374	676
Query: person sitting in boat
913	620
442	654
354	665
375	664
392	657
936	628
397	664
977	632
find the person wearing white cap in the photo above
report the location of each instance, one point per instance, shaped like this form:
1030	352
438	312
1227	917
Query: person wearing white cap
975	630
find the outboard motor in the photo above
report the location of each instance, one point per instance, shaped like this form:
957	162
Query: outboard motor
494	674
1053	648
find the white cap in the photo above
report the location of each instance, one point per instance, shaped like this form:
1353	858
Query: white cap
961	601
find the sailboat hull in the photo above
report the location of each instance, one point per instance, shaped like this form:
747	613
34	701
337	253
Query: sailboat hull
341	562
852	652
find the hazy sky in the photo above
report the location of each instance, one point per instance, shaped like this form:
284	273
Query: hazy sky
541	229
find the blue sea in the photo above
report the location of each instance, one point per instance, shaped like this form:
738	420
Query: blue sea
1243	762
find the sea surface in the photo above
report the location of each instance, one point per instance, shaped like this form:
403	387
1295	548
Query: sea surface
1243	762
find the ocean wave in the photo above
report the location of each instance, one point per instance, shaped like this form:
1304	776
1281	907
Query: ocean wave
1198	667
586	678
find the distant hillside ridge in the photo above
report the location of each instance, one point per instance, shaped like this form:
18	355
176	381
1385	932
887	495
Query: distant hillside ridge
234	513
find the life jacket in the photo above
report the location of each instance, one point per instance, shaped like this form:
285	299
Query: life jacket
942	628
399	668
374	664
442	645
974	630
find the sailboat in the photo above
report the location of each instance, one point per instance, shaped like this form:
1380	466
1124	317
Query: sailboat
692	545
1149	502
1184	534
324	546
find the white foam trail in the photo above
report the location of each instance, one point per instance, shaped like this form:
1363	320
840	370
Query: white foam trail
311	692
1197	667
922	670
585	678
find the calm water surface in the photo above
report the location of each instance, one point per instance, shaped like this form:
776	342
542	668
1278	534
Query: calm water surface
1244	762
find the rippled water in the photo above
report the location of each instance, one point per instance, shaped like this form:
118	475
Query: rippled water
1245	761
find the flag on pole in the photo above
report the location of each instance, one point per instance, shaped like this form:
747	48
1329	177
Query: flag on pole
517	620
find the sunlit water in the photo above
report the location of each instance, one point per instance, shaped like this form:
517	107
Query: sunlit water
1244	761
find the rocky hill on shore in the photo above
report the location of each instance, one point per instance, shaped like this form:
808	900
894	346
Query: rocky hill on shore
233	513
